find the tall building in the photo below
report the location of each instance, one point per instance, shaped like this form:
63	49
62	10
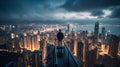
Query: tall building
37	59
75	47
44	53
108	37
13	45
96	32
103	34
68	28
41	42
25	40
29	42
84	33
21	42
17	45
91	58
113	47
80	51
33	43
36	42
119	48
72	44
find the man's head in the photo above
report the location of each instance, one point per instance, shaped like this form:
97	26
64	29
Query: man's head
59	30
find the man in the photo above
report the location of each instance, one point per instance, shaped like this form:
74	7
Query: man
60	37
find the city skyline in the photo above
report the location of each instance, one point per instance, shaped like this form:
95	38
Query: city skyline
59	33
41	46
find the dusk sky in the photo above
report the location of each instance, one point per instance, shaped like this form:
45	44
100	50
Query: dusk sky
59	11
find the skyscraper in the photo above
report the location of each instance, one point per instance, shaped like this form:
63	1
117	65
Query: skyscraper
25	40
68	28
80	50
103	34
108	37
96	32
44	53
113	49
119	48
37	59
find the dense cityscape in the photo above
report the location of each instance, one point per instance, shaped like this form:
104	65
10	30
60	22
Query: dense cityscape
59	33
35	45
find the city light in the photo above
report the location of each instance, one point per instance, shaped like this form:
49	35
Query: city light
38	44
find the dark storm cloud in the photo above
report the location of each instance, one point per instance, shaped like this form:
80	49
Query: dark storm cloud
98	13
115	13
95	7
28	8
83	5
11	8
53	10
18	5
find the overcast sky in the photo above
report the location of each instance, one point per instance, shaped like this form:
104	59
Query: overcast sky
57	11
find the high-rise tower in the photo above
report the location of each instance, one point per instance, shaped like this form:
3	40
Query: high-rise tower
96	32
113	48
103	34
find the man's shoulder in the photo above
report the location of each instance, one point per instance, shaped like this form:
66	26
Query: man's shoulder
60	33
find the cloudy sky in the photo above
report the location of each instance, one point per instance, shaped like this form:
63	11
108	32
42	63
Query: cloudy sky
59	11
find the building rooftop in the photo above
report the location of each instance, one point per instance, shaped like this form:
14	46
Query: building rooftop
64	58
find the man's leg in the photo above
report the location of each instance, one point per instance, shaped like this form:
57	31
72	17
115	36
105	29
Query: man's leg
61	43
58	43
